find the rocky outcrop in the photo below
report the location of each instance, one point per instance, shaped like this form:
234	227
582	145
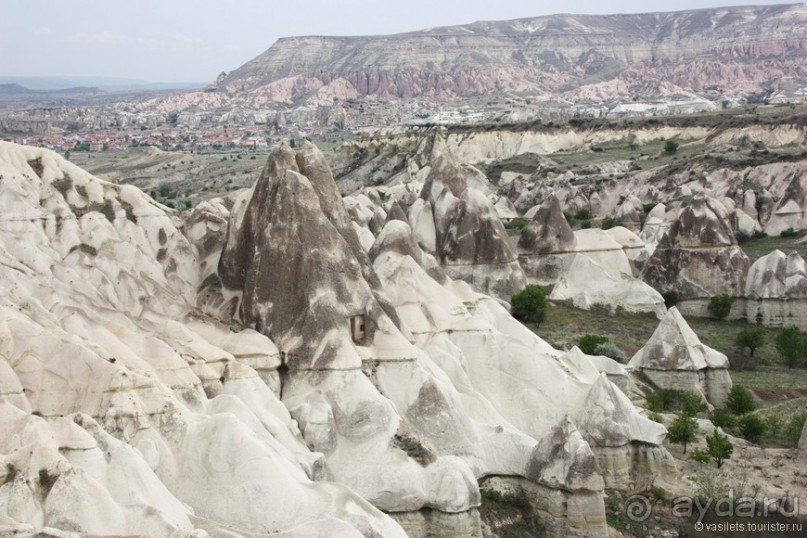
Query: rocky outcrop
130	410
624	443
600	273
460	227
698	257
125	410
292	217
545	243
776	290
790	210
674	358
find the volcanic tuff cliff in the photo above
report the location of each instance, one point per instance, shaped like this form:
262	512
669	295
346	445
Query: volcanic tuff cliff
733	51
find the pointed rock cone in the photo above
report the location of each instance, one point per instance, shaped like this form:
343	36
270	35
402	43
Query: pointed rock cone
674	358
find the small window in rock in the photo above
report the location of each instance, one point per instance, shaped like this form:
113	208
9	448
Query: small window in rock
357	329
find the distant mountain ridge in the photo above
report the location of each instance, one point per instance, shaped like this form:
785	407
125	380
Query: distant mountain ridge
730	51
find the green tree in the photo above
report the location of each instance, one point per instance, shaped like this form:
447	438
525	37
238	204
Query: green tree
164	189
751	338
670	298
692	403
721	419
589	342
720	305
740	400
671	146
700	455
752	427
529	305
683	430
791	344
719	447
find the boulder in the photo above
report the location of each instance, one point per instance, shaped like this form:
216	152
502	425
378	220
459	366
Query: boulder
674	358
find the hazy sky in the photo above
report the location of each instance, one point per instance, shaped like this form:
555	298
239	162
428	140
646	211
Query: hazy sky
194	40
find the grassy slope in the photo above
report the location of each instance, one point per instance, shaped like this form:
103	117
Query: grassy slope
773	383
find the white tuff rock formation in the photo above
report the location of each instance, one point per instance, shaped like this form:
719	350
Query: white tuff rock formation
130	409
674	358
776	290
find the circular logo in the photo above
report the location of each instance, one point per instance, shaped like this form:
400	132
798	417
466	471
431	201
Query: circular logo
638	508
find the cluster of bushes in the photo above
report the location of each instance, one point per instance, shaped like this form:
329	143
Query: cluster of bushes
595	344
739	418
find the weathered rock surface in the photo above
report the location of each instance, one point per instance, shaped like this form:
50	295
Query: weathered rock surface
545	243
124	409
698	257
120	394
674	358
600	273
459	226
791	210
776	290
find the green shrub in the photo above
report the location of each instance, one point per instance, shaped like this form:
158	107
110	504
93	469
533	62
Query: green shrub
671	146
582	214
612	351
658	492
670	298
529	305
722	419
585	225
794	428
589	342
719	447
683	430
774	424
692	403
655	417
740	400
752	427
790	232
720	306
647	208
608	223
759	234
516	224
661	400
700	455
791	344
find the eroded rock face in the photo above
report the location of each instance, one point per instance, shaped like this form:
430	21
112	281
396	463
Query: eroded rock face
298	264
776	290
545	243
125	411
674	358
790	210
698	257
444	388
600	273
469	239
625	443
